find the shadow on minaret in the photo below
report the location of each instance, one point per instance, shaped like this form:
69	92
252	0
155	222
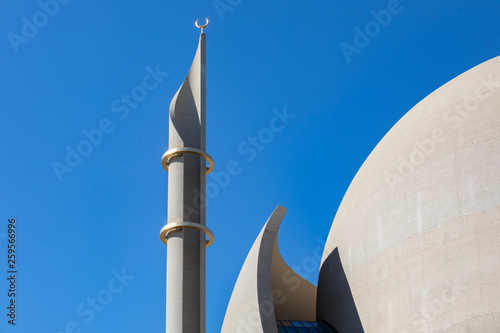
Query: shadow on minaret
185	117
335	303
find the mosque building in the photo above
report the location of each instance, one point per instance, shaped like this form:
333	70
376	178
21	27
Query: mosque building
415	243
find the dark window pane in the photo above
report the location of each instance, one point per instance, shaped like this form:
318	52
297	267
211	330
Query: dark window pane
302	330
286	326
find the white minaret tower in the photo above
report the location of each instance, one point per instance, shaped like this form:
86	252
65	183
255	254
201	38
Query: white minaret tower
184	233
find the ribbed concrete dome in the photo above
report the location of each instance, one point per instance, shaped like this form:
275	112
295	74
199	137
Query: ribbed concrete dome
415	244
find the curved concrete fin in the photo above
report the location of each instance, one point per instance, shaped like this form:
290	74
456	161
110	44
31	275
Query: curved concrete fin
294	297
267	289
187	109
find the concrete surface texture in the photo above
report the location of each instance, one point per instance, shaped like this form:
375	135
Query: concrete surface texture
267	289
185	309
415	244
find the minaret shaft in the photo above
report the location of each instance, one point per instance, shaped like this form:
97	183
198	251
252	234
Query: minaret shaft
185	303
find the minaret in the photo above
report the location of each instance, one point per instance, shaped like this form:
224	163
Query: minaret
184	233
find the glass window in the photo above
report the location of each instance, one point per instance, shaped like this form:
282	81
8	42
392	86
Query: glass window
285	326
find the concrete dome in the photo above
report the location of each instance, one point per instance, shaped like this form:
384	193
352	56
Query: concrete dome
415	244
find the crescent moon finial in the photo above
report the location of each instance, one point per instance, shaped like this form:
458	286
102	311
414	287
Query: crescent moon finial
201	26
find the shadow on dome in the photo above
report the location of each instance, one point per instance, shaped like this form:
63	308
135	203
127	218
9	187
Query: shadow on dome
335	303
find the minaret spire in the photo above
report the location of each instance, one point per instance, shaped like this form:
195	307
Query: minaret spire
184	233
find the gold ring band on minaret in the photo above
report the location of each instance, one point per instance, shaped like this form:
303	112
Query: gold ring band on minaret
165	159
179	225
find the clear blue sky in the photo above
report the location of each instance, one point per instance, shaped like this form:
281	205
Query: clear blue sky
63	74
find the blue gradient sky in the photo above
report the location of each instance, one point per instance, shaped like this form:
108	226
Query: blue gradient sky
78	231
